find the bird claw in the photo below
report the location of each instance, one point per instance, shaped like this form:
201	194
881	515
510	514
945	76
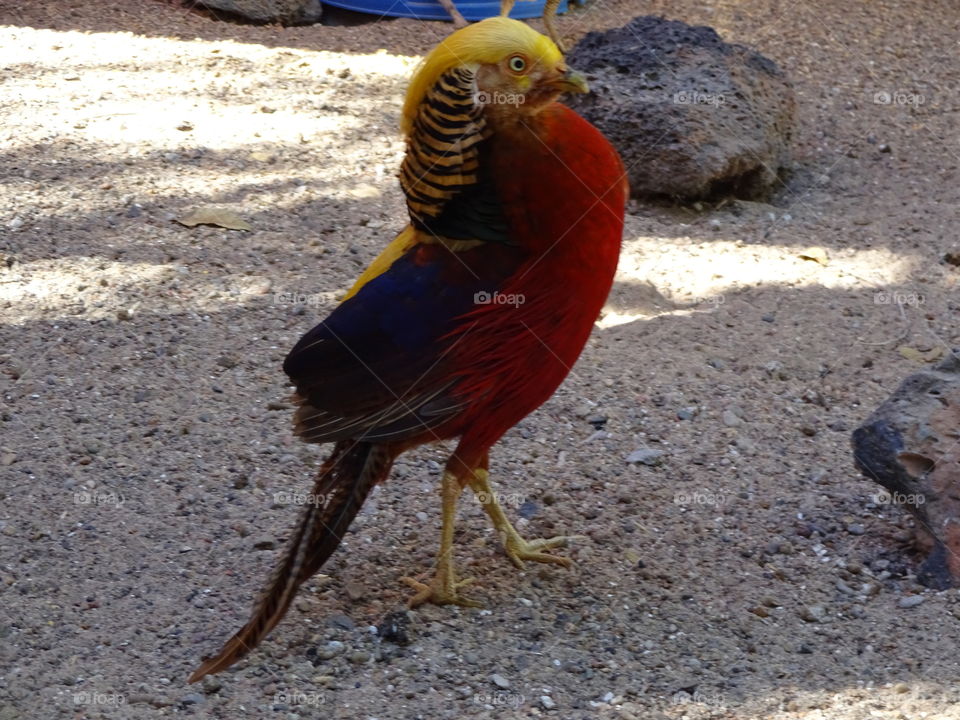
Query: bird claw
439	591
518	550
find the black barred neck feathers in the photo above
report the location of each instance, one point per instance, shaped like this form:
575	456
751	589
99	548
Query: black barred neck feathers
488	42
442	149
459	96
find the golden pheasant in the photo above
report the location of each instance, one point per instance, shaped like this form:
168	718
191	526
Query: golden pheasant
471	318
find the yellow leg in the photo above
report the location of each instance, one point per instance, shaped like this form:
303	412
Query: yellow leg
549	15
458	19
516	547
443	589
549	12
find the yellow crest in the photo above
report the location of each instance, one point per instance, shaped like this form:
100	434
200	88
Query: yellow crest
486	42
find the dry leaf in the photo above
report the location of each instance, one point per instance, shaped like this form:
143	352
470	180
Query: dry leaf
261	156
214	216
364	191
911	353
817	254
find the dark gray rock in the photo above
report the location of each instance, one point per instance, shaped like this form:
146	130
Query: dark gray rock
286	12
341	621
911	446
691	115
395	628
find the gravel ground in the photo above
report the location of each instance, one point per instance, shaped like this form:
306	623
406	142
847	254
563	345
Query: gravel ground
734	564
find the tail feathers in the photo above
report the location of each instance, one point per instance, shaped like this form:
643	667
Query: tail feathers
345	480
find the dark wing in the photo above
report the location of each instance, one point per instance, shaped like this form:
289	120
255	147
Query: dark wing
377	369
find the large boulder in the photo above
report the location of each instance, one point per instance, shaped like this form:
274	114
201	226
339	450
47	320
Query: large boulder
911	446
693	116
286	12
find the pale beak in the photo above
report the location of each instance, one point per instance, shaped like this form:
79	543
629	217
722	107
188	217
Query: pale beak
571	82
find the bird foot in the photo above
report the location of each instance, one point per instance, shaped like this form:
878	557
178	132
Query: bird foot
441	590
519	550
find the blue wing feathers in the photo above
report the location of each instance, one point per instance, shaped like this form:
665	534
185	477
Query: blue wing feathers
379	357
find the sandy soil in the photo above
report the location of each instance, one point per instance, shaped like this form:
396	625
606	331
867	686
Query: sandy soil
145	447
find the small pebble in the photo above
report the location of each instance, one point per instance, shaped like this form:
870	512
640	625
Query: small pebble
527	510
264	543
547	703
395	628
333	648
844	588
355	591
341	621
910	601
813	613
500	681
211	684
646	457
730	419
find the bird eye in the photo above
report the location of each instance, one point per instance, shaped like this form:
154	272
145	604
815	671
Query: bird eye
517	64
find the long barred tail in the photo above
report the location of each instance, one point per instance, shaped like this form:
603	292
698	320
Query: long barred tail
345	480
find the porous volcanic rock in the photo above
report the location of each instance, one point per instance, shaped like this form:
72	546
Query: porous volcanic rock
691	115
911	446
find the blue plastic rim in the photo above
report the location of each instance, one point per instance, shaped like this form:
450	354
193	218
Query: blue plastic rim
433	10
